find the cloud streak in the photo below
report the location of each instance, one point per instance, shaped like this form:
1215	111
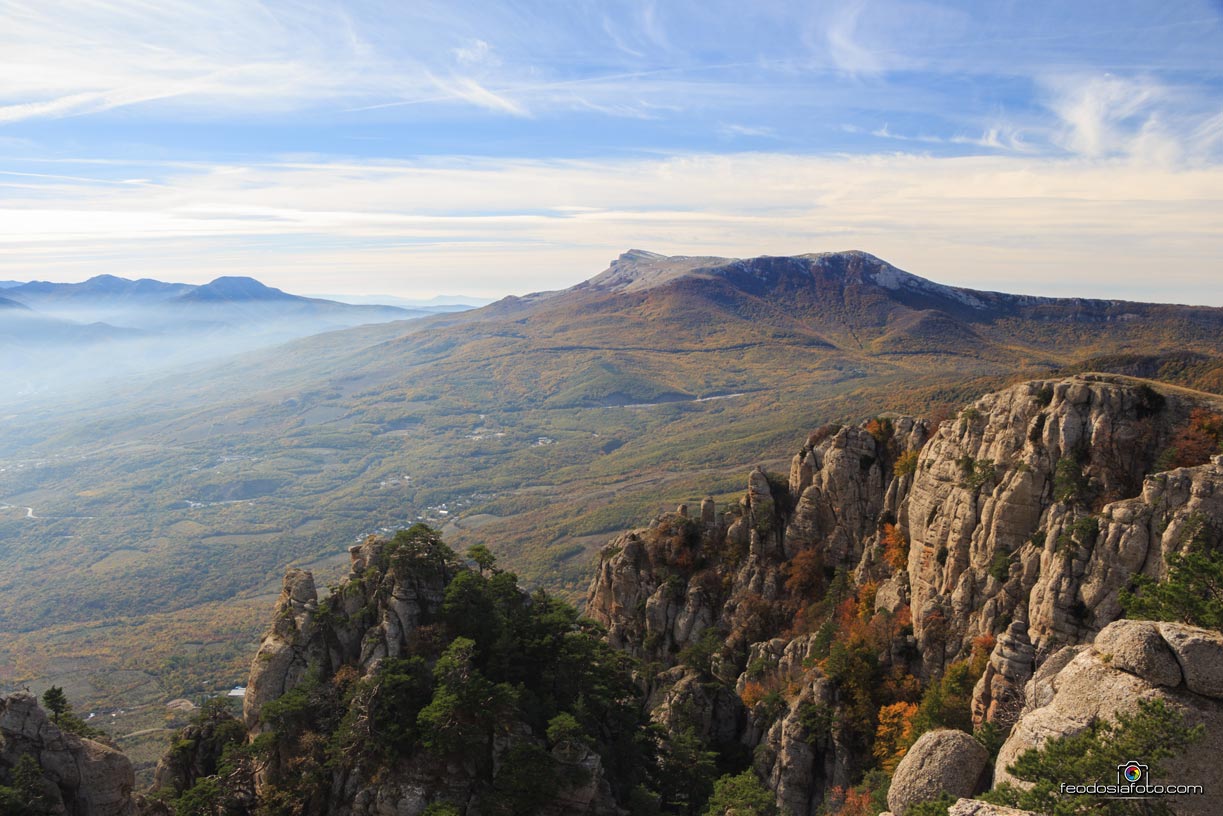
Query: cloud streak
971	221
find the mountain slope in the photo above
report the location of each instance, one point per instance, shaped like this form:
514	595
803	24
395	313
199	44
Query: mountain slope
540	424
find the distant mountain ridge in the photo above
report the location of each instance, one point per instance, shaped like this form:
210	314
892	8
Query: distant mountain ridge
641	270
107	326
854	302
112	289
106	288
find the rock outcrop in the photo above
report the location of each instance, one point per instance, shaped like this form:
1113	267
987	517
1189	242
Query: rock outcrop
375	614
1000	515
1131	661
285	652
198	750
998	695
81	777
322	663
1023	519
945	761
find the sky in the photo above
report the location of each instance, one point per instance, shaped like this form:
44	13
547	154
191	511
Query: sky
413	148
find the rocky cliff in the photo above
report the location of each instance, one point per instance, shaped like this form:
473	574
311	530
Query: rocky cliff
1130	662
1002	535
74	776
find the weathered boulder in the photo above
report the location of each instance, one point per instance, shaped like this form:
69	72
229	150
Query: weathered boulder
1199	652
83	777
942	761
1123	667
1138	648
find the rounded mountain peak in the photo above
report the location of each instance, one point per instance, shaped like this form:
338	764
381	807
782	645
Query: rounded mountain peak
233	287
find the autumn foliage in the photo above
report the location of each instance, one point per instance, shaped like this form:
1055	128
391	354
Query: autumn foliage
805	574
1195	441
894	734
895	547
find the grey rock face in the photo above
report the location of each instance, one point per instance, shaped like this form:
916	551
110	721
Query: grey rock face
998	695
943	761
801	764
1199	652
998	535
284	654
86	778
1138	648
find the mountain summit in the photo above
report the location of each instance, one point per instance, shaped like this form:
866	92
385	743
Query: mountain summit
230	288
638	270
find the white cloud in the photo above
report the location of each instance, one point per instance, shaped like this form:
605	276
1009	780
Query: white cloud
1101	114
749	130
468	90
477	52
844	46
1079	226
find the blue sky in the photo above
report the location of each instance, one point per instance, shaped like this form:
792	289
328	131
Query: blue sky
493	147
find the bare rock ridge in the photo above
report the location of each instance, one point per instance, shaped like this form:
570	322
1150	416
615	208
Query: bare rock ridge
1024	518
375	615
80	777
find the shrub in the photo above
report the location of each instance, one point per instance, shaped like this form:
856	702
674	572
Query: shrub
805	574
895	547
906	463
564	728
881	429
816	718
1194	441
934	807
1153	733
894	734
743	794
1069	483
947	702
976	473
1192	590
1000	566
699	655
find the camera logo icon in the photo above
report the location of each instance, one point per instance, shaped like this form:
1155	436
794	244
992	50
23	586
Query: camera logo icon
1131	773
